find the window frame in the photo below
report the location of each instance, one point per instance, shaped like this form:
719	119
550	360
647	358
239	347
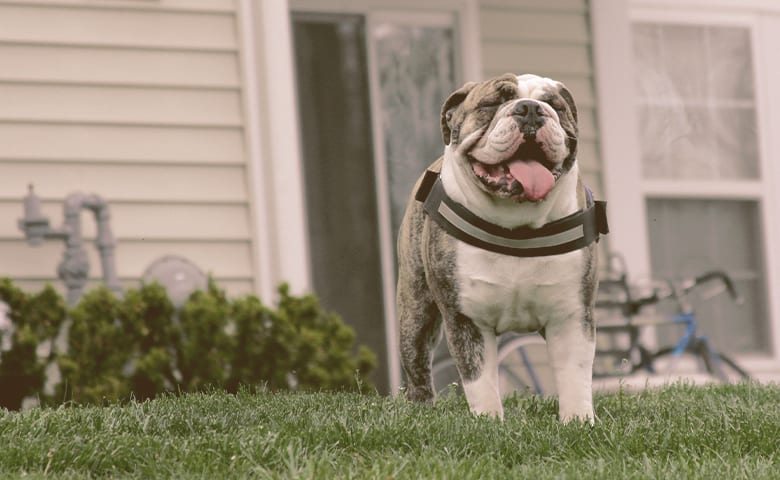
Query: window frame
618	114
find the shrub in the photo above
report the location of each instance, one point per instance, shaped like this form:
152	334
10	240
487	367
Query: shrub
36	320
204	344
98	351
322	343
148	315
265	346
140	345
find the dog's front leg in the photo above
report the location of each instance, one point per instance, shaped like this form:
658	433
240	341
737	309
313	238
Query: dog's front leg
571	347
474	352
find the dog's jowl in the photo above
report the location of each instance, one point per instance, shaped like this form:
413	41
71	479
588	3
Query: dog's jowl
500	235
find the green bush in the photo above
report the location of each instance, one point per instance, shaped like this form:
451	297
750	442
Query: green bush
36	320
149	318
98	350
140	346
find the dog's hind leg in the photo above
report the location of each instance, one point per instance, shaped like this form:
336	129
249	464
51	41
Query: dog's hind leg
420	325
475	354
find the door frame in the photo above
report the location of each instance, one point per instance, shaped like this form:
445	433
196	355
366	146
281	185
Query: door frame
282	252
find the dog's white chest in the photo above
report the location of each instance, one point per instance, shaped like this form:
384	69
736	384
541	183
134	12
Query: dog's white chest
522	294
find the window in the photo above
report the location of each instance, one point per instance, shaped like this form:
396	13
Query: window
701	169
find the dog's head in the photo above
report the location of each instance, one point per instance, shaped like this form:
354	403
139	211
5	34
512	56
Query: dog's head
516	134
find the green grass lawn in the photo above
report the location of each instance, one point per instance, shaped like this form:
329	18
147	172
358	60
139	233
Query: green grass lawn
680	431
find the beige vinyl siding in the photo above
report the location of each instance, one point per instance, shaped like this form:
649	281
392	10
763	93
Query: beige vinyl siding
550	38
140	102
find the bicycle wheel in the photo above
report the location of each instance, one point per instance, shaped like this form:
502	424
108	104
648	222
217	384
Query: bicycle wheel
516	365
516	372
695	362
727	369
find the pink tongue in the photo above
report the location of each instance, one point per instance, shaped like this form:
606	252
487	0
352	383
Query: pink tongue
537	181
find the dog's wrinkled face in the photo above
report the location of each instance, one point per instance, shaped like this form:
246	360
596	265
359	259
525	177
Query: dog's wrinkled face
518	134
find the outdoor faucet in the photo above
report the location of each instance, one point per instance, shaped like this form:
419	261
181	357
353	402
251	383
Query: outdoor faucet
74	267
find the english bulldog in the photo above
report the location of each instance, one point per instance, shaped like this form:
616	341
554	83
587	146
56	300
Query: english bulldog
500	235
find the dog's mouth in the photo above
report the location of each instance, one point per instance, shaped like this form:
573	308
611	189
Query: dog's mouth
523	176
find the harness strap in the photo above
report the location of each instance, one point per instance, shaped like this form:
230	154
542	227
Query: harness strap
570	233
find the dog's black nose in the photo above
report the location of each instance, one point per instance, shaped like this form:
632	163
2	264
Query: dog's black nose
528	113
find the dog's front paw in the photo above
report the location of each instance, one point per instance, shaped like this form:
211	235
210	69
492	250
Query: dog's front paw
584	416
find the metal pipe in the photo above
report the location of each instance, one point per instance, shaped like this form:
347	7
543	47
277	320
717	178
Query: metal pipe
74	267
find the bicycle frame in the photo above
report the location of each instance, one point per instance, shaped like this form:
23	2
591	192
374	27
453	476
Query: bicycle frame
689	320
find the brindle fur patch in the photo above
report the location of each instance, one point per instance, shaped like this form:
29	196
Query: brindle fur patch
467	346
590	283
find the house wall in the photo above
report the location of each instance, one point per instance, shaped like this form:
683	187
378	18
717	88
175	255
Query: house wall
140	102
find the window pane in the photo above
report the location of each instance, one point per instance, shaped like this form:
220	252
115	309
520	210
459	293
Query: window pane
689	237
729	63
697	109
416	74
677	142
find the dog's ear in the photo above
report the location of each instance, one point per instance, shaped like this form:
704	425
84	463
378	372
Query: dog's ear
449	107
569	99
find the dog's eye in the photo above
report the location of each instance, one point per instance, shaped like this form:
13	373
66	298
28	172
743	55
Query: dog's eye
490	102
557	105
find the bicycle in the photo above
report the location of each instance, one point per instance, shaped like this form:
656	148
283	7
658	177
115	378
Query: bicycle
693	347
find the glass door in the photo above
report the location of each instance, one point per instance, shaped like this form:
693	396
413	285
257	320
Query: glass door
370	89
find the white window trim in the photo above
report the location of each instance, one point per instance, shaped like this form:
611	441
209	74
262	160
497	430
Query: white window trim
727	6
274	160
279	203
620	143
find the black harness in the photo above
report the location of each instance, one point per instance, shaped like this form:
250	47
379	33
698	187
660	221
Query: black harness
570	233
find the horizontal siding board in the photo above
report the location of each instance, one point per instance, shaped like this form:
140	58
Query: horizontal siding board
556	59
153	5
223	259
534	27
120	143
220	259
586	122
233	287
37	63
126	182
118	105
579	6
52	24
587	155
581	88
593	181
143	222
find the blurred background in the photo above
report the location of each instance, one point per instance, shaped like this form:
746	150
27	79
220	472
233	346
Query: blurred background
269	141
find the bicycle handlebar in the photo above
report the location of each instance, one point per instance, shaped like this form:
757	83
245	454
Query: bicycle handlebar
723	277
678	289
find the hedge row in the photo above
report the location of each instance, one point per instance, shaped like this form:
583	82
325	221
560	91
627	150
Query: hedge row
139	346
